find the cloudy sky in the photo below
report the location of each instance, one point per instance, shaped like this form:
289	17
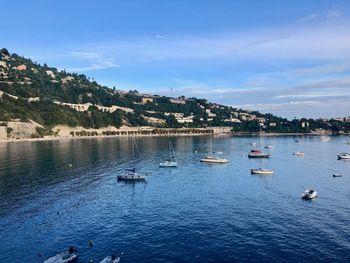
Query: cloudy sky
290	58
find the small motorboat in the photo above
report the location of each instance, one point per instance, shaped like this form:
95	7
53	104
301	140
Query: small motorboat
261	171
268	146
299	153
325	138
345	156
111	259
214	159
337	175
309	194
131	175
65	257
258	154
168	164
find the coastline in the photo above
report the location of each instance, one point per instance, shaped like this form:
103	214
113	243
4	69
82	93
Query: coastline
240	134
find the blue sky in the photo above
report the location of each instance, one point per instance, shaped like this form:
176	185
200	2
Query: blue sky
290	58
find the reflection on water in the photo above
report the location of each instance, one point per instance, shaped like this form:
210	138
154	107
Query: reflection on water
57	193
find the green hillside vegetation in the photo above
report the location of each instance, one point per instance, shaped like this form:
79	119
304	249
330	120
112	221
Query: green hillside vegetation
25	79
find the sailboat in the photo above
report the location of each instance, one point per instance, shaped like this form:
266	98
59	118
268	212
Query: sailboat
209	158
130	174
171	162
256	153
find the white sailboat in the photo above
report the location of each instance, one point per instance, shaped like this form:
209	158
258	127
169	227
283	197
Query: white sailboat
210	158
172	161
130	174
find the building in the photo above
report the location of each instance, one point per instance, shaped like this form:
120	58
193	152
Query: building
21	67
305	124
145	100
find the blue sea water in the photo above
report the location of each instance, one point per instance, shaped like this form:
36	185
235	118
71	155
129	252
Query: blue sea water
194	213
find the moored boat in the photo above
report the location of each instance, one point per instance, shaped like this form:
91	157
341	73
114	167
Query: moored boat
325	138
168	164
71	255
213	159
268	146
261	171
309	194
111	259
345	156
299	153
337	175
131	175
258	154
172	161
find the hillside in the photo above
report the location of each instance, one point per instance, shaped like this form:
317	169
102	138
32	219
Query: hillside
49	97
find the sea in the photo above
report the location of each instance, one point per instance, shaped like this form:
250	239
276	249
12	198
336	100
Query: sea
56	194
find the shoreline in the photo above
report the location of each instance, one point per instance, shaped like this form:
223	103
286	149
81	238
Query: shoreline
66	138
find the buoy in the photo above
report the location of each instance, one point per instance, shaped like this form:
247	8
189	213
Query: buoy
91	242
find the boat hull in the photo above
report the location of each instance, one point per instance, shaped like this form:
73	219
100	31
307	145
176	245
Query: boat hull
109	259
222	161
128	177
258	155
342	157
168	164
262	172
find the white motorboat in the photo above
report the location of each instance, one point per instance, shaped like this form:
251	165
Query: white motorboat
71	255
325	138
299	153
337	175
111	259
261	171
309	194
345	156
213	159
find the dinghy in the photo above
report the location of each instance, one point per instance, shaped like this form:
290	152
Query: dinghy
65	257
337	175
268	147
309	194
111	259
261	171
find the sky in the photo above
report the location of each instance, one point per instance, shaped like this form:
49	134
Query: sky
289	58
